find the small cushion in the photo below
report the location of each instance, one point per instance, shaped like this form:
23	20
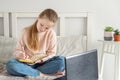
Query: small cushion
7	46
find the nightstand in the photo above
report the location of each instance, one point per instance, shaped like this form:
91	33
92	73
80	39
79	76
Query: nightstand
111	47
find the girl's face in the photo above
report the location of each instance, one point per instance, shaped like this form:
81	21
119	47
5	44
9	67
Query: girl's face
44	24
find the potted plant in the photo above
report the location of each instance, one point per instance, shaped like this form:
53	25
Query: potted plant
108	33
116	35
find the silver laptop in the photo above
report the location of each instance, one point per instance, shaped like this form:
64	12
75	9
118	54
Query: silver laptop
83	66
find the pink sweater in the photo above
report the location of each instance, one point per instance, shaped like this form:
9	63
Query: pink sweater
47	45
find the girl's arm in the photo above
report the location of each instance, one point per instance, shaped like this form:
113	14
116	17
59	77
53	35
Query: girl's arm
51	52
19	51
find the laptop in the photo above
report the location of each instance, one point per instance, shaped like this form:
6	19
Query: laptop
82	66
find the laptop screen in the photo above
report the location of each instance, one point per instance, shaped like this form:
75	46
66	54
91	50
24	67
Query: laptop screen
83	66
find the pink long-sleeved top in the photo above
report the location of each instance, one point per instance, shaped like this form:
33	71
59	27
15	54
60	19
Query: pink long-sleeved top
47	44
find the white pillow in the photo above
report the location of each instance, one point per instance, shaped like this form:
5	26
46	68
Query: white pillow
71	45
65	46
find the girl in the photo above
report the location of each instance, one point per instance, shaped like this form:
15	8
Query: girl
37	39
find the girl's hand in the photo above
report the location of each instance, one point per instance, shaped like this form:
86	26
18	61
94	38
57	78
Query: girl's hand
39	61
21	55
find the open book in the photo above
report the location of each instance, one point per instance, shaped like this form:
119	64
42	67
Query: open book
33	58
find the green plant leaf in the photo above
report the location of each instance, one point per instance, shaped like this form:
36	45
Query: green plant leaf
108	29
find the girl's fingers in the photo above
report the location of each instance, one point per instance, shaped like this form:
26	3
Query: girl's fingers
22	55
38	61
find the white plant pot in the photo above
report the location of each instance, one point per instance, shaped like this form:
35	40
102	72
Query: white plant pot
108	36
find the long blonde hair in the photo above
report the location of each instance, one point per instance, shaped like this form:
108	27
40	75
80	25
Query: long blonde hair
33	32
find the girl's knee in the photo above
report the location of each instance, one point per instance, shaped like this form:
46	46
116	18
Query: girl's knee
11	64
60	58
61	63
12	61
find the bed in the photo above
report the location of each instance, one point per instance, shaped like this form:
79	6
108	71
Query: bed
73	31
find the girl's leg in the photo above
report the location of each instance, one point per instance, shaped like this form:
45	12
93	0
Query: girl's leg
17	68
52	66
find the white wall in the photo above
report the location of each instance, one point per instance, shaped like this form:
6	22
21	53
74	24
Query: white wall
107	11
